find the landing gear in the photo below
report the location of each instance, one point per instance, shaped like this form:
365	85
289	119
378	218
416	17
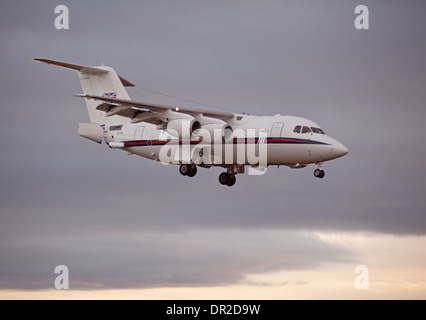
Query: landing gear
193	172
319	173
188	170
227	179
223	178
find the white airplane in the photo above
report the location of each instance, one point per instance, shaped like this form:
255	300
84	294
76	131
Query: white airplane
195	138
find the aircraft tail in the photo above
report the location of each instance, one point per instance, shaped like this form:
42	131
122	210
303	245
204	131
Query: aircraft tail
102	81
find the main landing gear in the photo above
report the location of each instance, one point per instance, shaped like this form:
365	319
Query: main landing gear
319	173
188	170
227	179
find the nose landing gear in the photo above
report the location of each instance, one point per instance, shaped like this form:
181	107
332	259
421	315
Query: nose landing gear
319	173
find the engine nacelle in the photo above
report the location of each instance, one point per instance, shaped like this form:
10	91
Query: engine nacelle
215	132
183	128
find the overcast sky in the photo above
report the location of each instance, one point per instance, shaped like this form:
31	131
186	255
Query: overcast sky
124	222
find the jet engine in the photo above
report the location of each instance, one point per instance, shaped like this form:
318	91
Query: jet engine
182	128
215	132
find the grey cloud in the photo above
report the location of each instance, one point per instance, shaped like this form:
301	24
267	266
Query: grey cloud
142	260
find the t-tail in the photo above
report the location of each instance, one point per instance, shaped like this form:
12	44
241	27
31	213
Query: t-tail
100	81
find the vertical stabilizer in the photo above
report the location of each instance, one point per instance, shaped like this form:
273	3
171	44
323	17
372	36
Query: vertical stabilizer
106	84
101	81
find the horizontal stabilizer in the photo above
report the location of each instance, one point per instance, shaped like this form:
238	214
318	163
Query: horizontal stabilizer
70	66
81	68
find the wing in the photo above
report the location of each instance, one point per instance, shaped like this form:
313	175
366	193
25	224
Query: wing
151	113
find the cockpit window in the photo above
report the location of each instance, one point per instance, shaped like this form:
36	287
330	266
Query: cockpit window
317	130
297	129
306	130
300	129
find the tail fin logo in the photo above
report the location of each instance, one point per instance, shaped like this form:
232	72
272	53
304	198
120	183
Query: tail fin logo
111	95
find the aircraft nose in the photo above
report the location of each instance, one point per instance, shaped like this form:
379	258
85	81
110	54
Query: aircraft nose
339	150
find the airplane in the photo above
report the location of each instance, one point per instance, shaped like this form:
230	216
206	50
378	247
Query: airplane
194	138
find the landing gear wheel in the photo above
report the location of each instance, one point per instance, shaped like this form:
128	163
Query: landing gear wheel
223	178
319	173
227	179
185	169
231	180
193	172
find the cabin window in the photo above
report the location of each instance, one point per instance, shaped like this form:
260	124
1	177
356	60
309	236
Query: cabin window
306	130
317	130
297	129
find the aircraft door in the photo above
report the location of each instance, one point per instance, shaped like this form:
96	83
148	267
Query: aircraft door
139	133
277	129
